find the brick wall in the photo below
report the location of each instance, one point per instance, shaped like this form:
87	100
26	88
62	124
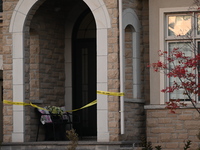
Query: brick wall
128	63
134	112
45	66
8	7
171	130
141	9
113	70
134	122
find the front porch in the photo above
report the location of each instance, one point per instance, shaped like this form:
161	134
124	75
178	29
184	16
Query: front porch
58	145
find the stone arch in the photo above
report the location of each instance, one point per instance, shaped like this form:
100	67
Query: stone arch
17	29
130	19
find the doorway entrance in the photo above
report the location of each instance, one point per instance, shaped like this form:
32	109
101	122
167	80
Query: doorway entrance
84	76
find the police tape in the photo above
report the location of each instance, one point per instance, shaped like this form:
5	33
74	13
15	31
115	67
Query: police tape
87	105
22	104
110	93
30	104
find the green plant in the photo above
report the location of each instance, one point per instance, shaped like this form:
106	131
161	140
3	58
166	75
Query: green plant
187	145
73	137
198	135
158	147
54	110
148	145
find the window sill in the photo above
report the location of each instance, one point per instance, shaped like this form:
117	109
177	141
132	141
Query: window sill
149	107
135	100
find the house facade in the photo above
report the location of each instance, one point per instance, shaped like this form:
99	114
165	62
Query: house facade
173	24
60	52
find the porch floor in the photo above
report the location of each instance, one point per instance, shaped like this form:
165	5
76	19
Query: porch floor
64	145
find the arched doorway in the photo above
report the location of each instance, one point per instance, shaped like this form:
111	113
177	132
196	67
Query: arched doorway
20	20
51	56
84	80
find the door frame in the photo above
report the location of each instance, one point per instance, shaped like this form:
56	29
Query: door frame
75	66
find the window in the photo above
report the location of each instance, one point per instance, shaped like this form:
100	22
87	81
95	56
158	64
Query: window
182	31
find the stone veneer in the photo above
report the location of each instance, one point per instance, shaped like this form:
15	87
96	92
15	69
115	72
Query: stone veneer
45	67
134	122
171	130
128	62
50	69
113	71
8	7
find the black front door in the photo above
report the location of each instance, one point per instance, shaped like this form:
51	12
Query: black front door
84	85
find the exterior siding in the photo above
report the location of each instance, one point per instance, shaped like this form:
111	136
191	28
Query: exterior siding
113	70
45	74
171	130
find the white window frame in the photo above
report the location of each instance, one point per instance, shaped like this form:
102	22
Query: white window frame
163	40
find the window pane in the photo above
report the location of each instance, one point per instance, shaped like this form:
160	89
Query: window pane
185	47
179	25
198	24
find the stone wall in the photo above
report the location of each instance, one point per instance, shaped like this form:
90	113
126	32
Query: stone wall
113	61
128	63
134	112
171	130
141	8
45	66
47	72
44	82
44	69
8	7
134	122
113	70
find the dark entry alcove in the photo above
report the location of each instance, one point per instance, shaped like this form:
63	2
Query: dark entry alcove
84	72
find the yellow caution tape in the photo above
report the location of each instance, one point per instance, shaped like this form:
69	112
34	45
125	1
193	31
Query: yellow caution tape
22	104
14	103
33	105
88	105
110	93
26	104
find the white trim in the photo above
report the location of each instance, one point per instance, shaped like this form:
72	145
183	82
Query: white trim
134	100
103	22
100	13
122	72
162	38
154	107
130	18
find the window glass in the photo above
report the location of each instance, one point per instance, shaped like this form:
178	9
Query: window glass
179	25
185	47
198	24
